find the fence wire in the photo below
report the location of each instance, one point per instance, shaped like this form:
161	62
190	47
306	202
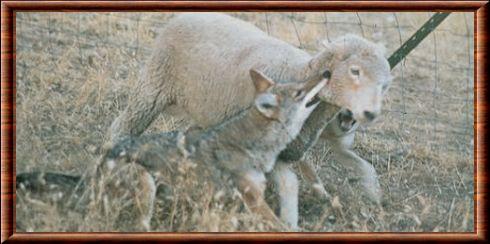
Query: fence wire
430	101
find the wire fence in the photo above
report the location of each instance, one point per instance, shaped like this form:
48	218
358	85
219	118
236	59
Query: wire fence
431	98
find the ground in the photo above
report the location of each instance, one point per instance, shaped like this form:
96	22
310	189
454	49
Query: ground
74	72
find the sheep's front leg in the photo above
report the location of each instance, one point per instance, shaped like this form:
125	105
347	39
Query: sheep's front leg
287	185
252	186
366	170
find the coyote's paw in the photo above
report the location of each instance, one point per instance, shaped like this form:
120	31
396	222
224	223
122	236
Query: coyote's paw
373	190
294	228
320	192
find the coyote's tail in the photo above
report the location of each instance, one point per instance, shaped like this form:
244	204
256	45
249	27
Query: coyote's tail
50	186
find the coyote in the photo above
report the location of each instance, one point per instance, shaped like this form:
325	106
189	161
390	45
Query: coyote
245	147
199	66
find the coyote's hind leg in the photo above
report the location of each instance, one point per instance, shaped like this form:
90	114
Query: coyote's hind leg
252	186
146	200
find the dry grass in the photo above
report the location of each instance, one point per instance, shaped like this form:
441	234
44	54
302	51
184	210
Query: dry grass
75	70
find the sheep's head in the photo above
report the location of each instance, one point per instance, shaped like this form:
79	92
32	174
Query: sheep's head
359	75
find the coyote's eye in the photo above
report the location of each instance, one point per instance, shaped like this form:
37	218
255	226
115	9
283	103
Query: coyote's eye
298	94
267	105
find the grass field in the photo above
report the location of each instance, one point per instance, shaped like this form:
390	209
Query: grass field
74	72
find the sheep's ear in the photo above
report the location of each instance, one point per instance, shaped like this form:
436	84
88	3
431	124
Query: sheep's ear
323	57
381	48
261	82
329	48
268	105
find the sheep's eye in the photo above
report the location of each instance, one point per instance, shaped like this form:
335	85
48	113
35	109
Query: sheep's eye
327	74
354	71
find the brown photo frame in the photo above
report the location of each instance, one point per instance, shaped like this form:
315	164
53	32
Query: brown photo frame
8	125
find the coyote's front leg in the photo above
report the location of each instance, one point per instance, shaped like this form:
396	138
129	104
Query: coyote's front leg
287	184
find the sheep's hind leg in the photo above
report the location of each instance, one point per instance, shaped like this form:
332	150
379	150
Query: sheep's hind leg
152	94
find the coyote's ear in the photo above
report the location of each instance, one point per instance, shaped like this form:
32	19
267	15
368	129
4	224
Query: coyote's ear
261	81
268	105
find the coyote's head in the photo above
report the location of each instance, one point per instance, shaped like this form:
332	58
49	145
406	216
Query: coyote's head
358	74
287	103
